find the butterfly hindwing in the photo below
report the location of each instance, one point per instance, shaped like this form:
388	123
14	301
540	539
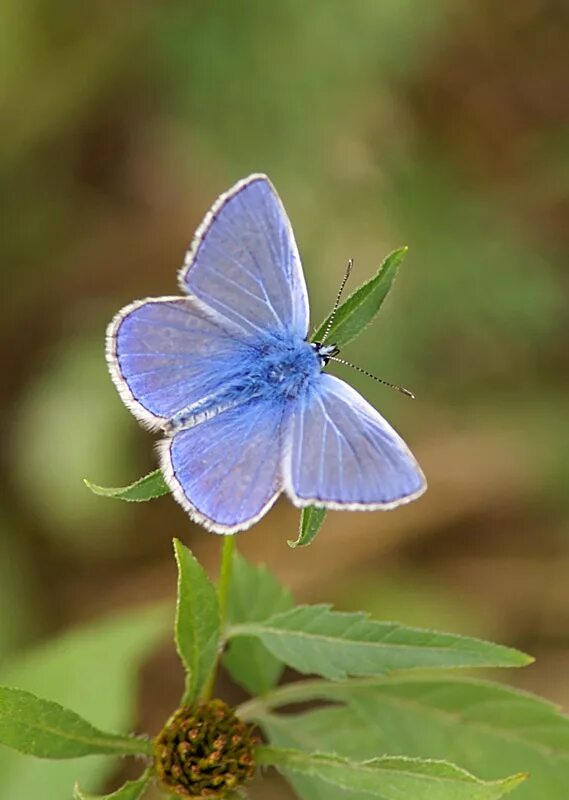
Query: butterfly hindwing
226	471
342	454
244	262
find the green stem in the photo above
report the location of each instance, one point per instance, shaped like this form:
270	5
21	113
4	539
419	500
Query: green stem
225	569
301	692
225	576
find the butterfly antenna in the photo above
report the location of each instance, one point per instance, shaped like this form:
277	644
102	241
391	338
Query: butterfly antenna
338	297
401	389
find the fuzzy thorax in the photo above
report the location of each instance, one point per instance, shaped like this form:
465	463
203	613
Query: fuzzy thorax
277	369
284	368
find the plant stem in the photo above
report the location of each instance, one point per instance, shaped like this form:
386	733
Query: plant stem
301	692
225	576
225	568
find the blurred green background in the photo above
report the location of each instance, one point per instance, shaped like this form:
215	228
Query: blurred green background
440	125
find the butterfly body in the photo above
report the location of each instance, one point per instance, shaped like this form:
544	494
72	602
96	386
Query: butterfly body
227	373
278	369
285	368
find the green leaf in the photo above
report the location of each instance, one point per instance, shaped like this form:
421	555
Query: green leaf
146	488
336	644
389	778
311	520
46	729
472	710
254	595
337	729
131	790
290	731
486	728
94	670
197	622
362	306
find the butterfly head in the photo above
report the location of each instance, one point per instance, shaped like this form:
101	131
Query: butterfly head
325	352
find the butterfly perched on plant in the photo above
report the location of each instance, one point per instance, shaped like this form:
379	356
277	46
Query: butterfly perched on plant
227	373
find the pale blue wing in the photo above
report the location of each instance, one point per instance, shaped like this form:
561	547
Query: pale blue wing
343	454
226	471
171	353
244	262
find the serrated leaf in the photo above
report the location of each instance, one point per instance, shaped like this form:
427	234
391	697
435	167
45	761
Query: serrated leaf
311	520
146	488
93	669
486	728
481	708
389	778
289	731
315	639
254	595
46	729
197	630
362	306
131	790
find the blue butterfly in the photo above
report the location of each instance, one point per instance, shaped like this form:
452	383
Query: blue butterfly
227	373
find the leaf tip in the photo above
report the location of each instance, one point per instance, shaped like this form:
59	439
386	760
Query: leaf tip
526	659
93	487
517	658
515	780
397	256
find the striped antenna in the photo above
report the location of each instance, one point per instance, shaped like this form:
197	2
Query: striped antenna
337	303
396	386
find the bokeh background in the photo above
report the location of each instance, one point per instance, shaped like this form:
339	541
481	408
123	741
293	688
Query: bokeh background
440	125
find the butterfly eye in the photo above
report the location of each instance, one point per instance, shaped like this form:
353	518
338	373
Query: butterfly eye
325	352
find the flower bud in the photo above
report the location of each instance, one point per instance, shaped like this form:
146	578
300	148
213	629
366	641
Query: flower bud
204	751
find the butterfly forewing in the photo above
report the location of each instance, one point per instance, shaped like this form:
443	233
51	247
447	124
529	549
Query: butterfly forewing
166	354
244	262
